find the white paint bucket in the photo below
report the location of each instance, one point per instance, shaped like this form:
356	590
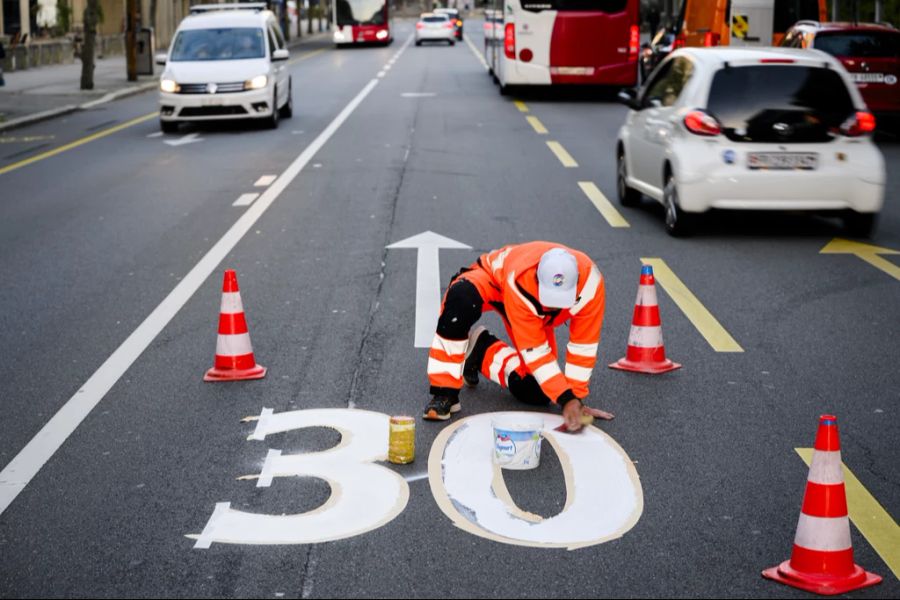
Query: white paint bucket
517	441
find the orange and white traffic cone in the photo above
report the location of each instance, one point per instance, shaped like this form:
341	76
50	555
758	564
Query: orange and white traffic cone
646	352
822	559
234	354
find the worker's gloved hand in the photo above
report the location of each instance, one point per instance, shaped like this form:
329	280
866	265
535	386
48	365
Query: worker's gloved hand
577	415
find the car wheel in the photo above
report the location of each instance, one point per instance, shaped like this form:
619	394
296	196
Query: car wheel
678	224
860	225
627	196
452	43
287	111
272	121
169	126
418	43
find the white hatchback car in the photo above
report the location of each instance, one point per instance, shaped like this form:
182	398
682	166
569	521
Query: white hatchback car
750	129
432	27
226	61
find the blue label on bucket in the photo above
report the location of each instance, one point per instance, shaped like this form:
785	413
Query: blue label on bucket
515	436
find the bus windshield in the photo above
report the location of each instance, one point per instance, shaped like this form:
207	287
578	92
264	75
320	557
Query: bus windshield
360	12
607	6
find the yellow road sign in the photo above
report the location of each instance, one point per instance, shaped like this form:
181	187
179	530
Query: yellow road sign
740	25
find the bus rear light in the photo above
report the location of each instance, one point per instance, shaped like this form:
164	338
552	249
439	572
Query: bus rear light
509	41
634	42
859	124
700	123
711	39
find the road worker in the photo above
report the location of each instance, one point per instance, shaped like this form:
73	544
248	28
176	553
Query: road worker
534	287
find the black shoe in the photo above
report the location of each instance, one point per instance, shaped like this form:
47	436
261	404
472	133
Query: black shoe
478	345
440	408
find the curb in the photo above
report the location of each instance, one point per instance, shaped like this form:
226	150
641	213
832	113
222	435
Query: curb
70	108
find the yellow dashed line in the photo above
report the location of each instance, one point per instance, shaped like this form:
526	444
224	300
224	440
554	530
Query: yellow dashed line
609	212
306	55
536	124
564	157
76	143
706	324
520	105
872	520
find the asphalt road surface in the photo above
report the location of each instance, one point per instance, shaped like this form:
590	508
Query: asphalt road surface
113	251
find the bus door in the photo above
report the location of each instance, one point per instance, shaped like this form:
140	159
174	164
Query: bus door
751	22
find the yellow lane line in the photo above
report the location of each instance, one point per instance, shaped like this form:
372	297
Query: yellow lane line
536	124
76	143
872	520
564	157
609	212
307	55
693	309
520	105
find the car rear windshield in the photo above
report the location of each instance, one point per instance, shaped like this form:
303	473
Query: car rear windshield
607	6
233	43
436	19
860	44
779	103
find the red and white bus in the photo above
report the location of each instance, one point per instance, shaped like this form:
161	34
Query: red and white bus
362	22
570	42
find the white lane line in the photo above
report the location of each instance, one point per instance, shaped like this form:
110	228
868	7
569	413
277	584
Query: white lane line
418	94
245	199
26	464
155	135
476	52
265	180
380	74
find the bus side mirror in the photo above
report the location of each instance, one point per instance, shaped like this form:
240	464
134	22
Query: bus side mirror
628	97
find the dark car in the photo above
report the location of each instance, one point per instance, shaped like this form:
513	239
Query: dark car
869	51
453	14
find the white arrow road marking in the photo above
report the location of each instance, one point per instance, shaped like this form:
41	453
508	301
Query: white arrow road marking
265	180
428	280
245	199
188	139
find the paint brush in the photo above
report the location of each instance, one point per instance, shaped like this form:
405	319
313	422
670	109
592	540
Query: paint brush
585	421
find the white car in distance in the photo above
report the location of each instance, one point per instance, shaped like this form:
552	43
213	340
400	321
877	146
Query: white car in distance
226	61
750	129
437	28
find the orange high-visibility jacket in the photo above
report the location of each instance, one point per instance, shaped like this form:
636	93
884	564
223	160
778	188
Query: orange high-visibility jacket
507	281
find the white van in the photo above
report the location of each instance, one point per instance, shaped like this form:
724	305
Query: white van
226	61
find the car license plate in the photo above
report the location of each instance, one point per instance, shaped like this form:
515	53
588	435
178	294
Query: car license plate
806	161
210	102
868	77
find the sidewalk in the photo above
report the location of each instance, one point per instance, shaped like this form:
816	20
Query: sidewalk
42	93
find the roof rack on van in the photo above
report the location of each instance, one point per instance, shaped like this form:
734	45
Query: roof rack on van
204	8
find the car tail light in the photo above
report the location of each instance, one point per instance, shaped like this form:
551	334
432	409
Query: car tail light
859	124
448	25
680	42
509	40
634	42
420	25
700	123
711	39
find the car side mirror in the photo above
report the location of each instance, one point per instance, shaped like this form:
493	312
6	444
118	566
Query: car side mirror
628	97
161	58
280	54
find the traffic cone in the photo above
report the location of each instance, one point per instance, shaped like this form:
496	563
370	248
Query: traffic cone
822	559
646	352
234	354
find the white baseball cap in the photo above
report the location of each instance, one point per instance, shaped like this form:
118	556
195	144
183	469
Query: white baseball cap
557	279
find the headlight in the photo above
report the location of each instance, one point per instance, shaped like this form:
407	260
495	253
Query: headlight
338	36
257	83
169	86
